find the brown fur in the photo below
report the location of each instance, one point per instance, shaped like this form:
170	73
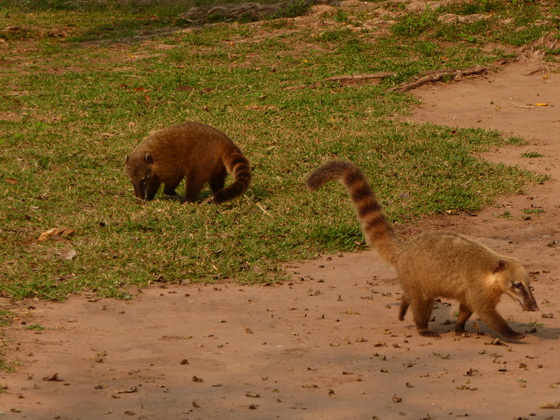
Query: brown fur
196	151
435	264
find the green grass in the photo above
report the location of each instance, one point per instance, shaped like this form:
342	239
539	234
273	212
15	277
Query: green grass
513	23
533	211
34	327
82	83
532	155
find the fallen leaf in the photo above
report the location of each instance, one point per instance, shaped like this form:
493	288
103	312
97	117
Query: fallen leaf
472	372
551	405
350	312
541	103
55	232
252	395
53	378
467	388
496	342
70	255
127	391
47	234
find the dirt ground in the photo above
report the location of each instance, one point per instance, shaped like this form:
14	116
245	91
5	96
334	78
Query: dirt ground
326	345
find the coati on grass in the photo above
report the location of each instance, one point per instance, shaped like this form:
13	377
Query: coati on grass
193	150
435	264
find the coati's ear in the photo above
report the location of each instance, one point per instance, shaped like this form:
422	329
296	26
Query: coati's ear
149	158
501	265
126	159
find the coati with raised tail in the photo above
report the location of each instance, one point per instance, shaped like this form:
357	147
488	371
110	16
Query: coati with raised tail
193	150
435	264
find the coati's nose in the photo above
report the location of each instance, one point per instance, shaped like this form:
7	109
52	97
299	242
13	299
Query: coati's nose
530	305
533	307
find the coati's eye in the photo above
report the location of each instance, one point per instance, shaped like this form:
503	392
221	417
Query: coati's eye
518	285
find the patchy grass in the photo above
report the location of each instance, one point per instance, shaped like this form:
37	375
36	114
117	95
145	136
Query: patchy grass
515	23
82	84
532	155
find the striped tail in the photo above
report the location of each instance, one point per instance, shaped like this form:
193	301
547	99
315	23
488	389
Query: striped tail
238	166
377	230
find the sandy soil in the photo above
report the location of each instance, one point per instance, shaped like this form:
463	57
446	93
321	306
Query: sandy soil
326	345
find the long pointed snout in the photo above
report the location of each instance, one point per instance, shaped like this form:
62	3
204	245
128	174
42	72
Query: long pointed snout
529	303
139	191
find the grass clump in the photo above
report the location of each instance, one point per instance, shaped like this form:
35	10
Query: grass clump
532	155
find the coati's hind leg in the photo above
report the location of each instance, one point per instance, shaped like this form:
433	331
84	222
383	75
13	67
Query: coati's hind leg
217	182
422	312
464	314
405	303
194	186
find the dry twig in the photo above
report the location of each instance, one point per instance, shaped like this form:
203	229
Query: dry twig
436	76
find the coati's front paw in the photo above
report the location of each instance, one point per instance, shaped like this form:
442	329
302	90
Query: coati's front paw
513	335
427	333
459	331
177	197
